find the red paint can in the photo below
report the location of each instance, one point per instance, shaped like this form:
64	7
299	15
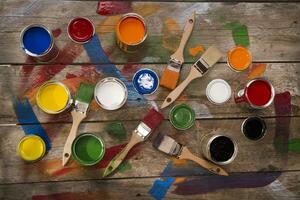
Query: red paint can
258	93
81	30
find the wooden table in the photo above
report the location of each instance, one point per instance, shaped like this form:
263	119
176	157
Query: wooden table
267	169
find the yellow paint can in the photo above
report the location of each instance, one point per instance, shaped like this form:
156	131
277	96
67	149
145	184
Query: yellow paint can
53	97
31	148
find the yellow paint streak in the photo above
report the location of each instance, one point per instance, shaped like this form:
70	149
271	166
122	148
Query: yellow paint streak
171	34
108	24
145	9
180	162
256	70
179	180
193	51
31	148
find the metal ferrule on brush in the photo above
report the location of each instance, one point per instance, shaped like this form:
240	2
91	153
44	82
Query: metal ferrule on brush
143	130
80	106
201	65
174	65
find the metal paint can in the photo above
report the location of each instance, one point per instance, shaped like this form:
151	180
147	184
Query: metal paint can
239	59
31	148
53	97
218	91
81	30
182	116
131	32
145	81
220	149
110	93
88	149
37	41
254	128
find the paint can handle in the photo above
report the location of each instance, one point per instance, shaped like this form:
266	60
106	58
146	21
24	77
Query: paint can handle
240	96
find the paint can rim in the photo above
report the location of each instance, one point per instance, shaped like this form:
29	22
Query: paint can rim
79	160
69	101
31	136
209	85
136	86
88	20
178	106
115	80
263	123
234	49
33	54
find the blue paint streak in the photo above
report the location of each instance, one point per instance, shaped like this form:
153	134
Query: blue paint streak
97	55
183	170
37	40
160	188
25	115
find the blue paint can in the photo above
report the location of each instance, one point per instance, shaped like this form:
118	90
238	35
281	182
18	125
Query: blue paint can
37	41
145	81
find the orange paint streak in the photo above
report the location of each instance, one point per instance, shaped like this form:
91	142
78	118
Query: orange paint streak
179	180
145	9
256	70
131	30
193	51
107	25
180	162
183	97
171	34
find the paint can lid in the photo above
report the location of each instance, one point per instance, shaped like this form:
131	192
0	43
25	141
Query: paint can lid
31	148
88	149
182	116
145	81
239	58
81	30
218	91
110	93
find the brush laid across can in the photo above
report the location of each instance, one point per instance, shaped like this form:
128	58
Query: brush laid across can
131	32
220	149
37	41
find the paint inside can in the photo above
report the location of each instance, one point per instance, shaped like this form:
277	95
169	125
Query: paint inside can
31	148
36	40
221	149
145	81
111	93
254	128
81	30
218	91
182	116
53	97
88	149
239	58
259	92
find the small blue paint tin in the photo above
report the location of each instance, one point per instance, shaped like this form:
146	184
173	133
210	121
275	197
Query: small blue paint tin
145	81
37	41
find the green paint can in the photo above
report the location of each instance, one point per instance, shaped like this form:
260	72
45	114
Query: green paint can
182	116
88	149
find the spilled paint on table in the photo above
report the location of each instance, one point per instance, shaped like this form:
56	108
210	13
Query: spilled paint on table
239	33
294	145
161	187
113	7
195	51
116	130
256	70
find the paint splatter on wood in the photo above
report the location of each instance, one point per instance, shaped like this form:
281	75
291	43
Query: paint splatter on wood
113	7
106	25
56	32
194	51
171	34
256	70
239	33
125	166
145	9
294	145
116	130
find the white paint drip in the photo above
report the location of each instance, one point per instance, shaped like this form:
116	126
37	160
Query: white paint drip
278	191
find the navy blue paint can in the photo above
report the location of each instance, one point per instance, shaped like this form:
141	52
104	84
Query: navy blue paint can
37	41
145	81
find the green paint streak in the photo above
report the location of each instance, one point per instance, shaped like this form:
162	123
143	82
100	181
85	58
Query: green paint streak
294	145
125	166
116	130
239	33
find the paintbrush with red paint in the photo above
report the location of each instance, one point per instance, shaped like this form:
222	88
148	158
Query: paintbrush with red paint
169	146
151	121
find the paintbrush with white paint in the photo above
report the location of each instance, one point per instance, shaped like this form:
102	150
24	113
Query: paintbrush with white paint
169	146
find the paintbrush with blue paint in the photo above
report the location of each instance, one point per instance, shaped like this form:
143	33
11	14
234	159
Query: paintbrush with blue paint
169	146
84	96
150	122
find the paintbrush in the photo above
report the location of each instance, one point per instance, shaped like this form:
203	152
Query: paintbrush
171	74
169	146
199	68
151	121
84	96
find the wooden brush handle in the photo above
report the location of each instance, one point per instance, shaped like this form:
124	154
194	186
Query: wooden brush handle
186	154
77	118
194	73
188	28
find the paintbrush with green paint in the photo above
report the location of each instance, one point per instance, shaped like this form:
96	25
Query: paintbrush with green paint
84	96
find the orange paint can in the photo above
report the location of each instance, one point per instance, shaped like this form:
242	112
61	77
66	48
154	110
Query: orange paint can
239	58
131	32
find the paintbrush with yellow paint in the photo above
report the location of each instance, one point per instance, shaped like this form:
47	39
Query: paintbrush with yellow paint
171	74
84	96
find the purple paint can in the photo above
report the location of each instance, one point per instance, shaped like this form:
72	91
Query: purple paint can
37	41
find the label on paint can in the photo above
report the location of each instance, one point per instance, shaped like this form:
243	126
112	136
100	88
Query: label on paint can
145	81
81	30
131	32
37	41
218	91
110	93
31	148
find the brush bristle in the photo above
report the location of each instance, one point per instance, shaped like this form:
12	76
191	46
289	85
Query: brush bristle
169	79
85	93
166	144
153	119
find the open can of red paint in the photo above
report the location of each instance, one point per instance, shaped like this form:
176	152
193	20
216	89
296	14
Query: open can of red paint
38	42
81	30
258	93
131	32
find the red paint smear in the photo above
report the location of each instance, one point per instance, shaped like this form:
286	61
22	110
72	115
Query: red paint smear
282	103
128	70
153	118
68	196
63	171
69	75
56	32
113	7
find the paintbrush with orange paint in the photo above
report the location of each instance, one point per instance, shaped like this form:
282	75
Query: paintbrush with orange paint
171	74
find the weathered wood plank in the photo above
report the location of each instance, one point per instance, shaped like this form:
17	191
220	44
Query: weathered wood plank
269	154
17	81
285	187
275	38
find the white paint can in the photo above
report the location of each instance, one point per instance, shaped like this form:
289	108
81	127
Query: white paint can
218	91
